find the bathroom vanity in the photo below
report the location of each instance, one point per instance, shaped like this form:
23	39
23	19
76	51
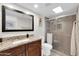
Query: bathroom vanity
25	47
16	20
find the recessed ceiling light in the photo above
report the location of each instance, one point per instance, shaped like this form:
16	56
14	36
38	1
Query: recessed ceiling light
35	6
58	10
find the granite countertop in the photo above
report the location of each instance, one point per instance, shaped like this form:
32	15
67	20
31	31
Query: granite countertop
14	43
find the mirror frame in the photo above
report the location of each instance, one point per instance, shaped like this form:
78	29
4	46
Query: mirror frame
4	21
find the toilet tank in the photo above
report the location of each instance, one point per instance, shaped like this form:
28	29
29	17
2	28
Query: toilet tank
50	38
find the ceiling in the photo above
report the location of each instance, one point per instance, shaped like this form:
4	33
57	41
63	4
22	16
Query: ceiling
45	9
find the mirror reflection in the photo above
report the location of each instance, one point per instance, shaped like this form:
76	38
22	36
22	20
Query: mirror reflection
17	20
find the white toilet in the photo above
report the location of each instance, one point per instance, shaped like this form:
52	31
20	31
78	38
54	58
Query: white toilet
47	47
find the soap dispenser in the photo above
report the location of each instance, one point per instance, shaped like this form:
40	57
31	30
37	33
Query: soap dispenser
27	35
0	39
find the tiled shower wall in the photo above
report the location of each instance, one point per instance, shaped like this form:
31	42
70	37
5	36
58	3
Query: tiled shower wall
62	29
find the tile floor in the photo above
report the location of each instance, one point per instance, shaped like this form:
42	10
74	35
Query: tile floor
57	53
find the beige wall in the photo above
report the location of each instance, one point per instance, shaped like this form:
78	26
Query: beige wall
62	33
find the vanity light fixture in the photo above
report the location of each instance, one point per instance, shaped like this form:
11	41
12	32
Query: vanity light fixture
35	5
57	10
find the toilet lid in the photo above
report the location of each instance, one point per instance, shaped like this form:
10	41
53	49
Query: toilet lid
46	45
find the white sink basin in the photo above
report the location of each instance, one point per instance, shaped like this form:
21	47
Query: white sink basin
21	41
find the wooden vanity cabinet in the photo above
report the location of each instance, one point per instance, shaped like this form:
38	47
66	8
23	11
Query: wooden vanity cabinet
30	49
17	51
34	48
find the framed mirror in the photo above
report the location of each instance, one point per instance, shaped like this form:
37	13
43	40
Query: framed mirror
16	20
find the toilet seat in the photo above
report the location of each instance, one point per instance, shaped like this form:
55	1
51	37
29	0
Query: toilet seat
46	45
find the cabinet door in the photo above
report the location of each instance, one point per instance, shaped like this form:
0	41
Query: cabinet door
17	51
34	48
